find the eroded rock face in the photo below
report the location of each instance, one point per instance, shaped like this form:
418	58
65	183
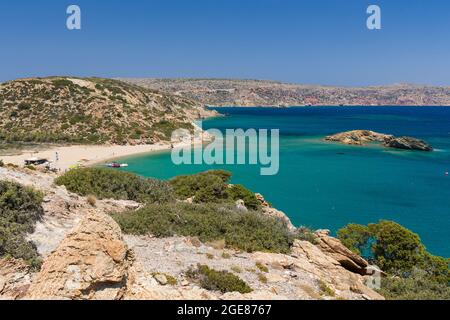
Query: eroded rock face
90	263
325	267
297	276
93	261
335	249
358	137
15	278
362	137
407	143
268	210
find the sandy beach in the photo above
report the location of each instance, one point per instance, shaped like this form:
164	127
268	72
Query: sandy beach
86	154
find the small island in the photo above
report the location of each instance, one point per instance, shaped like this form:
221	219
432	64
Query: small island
363	137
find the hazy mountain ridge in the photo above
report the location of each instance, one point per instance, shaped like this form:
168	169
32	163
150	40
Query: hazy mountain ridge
90	110
228	92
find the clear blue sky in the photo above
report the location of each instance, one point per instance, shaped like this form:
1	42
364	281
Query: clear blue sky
303	41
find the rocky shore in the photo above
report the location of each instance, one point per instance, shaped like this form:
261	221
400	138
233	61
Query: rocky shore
86	256
363	137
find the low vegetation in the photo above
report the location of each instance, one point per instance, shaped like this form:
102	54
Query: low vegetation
262	267
171	280
305	234
325	289
213	186
214	280
417	286
111	184
248	231
89	111
262	278
213	219
413	272
20	209
92	200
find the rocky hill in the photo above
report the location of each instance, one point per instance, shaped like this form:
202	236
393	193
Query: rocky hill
90	110
86	256
223	92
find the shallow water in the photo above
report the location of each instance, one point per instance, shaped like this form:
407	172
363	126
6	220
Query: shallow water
327	185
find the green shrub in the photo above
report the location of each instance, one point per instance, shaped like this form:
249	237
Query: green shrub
92	200
226	255
236	269
305	234
249	231
262	267
61	83
166	128
355	237
171	280
20	209
23	106
113	184
262	278
239	192
213	186
2	164
418	286
214	280
400	253
325	289
393	248
209	186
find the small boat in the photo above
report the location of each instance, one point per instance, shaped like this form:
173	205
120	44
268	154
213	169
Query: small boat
113	165
35	161
117	165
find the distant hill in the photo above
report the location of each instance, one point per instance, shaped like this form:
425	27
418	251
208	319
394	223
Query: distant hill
223	92
91	110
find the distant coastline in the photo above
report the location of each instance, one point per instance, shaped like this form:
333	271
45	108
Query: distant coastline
252	93
322	106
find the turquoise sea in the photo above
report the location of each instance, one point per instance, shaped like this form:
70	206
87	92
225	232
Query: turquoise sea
327	185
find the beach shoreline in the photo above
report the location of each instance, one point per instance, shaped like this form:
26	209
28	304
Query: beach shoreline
65	157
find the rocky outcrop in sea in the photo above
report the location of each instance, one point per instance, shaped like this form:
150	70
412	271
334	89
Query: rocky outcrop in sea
363	137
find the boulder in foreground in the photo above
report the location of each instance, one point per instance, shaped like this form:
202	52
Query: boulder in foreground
90	263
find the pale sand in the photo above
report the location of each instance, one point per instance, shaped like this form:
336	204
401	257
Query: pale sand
85	154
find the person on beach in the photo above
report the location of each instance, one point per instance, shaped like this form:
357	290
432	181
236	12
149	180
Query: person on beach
56	156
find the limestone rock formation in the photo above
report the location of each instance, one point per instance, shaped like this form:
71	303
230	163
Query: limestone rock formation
92	260
298	275
90	263
362	137
357	137
335	249
15	278
407	143
332	273
267	209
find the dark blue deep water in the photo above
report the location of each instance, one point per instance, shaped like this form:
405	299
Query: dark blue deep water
327	185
